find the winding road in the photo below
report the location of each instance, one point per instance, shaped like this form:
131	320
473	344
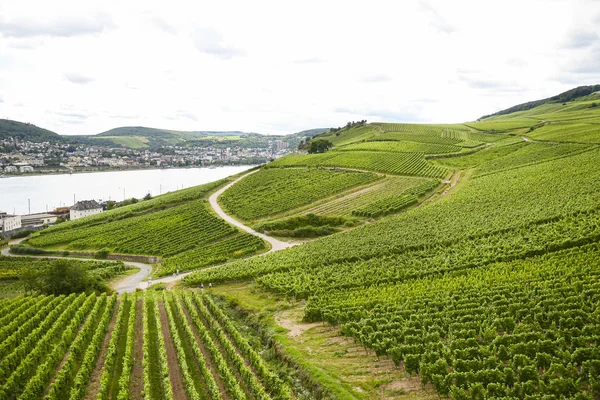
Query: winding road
128	284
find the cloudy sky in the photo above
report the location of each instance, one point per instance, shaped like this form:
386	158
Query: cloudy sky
83	67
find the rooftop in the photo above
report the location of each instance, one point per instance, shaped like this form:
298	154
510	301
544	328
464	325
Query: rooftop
86	205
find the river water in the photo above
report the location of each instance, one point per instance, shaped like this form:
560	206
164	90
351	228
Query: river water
46	192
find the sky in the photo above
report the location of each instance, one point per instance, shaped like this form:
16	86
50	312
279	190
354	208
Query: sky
279	67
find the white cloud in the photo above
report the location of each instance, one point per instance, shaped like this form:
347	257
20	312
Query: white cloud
60	26
210	41
377	78
77	78
280	67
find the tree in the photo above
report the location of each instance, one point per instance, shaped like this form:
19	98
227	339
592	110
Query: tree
61	277
319	146
148	196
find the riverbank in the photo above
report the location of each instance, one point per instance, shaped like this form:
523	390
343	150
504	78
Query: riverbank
95	170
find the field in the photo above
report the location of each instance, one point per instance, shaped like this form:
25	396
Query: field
274	190
403	147
176	226
389	188
409	164
483	285
161	345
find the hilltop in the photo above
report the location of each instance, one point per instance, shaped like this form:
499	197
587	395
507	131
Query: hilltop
26	131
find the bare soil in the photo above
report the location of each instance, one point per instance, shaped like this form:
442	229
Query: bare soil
136	384
289	320
174	370
206	354
94	383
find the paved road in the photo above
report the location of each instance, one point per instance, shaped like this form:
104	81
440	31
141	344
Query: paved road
130	283
276	245
127	284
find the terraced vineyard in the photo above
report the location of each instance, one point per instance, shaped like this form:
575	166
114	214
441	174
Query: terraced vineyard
180	227
402	147
526	328
163	233
221	251
159	346
579	132
389	188
409	164
274	190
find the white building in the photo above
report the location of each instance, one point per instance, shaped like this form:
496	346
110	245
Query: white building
26	168
9	222
11	169
38	219
85	208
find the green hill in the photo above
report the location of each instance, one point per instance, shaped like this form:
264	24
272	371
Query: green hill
569	95
455	261
25	131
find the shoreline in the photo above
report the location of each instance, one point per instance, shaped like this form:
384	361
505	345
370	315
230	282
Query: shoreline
212	166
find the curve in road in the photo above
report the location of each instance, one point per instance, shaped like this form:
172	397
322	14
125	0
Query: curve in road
276	245
130	283
124	285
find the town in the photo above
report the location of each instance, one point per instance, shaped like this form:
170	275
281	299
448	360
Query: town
11	224
22	157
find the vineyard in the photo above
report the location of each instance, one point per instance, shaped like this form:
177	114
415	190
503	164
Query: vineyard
579	132
180	227
403	147
160	345
275	190
232	247
409	164
163	233
391	187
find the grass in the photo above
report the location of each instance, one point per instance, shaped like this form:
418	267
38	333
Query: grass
343	367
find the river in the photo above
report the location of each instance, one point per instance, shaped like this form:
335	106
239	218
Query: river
46	192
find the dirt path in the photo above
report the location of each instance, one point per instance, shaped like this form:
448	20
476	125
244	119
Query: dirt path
290	320
206	354
174	371
137	374
94	383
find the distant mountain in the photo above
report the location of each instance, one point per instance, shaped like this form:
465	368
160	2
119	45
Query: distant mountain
569	95
26	131
140	137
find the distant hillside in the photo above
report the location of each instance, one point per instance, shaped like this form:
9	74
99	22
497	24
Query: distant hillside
25	131
140	137
569	95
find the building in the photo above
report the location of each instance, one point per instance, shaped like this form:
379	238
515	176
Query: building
39	219
9	222
85	208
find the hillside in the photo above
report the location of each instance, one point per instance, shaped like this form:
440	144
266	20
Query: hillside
25	131
569	95
423	261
